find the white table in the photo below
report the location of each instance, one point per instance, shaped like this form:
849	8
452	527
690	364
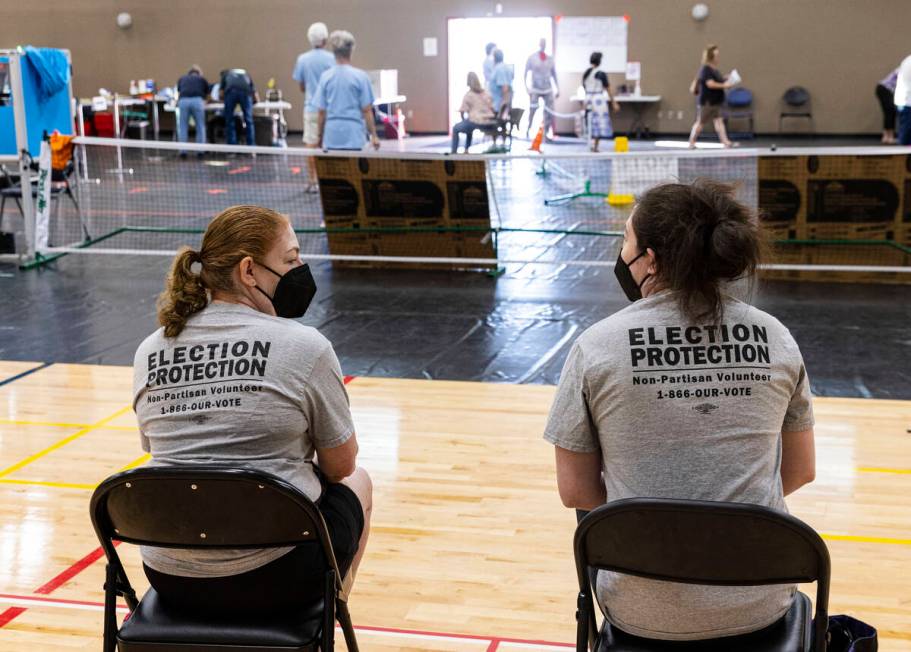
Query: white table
280	105
638	103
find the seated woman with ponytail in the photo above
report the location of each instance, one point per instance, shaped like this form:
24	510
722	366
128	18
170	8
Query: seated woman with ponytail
687	393
231	378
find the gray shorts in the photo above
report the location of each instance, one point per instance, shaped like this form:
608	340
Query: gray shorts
548	98
707	113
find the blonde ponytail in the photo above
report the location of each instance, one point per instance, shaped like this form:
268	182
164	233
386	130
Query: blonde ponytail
236	233
184	295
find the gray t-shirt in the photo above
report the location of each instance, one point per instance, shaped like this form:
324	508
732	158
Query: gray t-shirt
241	388
682	410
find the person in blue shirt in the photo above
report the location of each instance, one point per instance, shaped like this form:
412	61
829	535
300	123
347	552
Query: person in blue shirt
192	90
344	98
501	83
307	71
488	63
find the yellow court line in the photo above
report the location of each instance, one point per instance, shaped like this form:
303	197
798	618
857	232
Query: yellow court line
63	442
137	462
59	424
861	539
71	485
877	469
40	483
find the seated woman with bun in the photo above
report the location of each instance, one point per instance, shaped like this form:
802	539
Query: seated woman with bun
687	393
231	378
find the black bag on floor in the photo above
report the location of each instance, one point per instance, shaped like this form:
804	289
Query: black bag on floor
847	634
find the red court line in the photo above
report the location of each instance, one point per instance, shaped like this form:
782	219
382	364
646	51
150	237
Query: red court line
495	641
348	379
467	637
10	614
71	572
53	601
58	581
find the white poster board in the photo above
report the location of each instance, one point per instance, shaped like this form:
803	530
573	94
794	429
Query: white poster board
578	36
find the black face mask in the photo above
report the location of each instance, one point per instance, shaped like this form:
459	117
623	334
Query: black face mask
293	293
631	289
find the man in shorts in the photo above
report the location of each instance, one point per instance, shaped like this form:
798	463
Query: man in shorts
307	71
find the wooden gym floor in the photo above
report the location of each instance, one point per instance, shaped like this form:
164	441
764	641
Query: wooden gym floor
470	548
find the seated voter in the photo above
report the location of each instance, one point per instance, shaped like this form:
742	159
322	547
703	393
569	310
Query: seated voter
231	378
344	99
476	111
688	393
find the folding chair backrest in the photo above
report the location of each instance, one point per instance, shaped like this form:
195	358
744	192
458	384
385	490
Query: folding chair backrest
702	542
739	97
796	96
204	507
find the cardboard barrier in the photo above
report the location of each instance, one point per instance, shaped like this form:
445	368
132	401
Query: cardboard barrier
405	207
834	201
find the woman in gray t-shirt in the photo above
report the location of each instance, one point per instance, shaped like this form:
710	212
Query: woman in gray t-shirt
231	378
688	393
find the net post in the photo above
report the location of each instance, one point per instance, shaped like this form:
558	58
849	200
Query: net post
28	207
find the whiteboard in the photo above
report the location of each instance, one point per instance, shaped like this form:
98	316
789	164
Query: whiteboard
578	36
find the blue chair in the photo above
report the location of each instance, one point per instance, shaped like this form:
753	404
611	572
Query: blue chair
739	106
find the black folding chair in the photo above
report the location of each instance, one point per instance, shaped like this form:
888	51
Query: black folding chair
699	542
795	103
209	507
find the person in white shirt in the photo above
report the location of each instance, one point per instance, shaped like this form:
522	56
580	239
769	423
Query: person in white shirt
903	101
543	86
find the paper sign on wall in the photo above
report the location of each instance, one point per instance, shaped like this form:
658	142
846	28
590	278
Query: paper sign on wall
430	47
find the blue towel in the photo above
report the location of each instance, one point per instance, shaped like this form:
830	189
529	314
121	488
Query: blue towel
52	68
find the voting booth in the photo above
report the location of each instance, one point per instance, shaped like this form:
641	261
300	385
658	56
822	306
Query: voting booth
36	98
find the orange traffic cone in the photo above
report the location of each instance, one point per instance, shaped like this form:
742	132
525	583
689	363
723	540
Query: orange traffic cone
539	138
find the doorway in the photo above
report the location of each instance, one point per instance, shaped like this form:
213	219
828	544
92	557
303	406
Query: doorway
517	37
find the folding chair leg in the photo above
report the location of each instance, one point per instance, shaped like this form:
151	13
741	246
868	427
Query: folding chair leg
110	609
329	601
344	619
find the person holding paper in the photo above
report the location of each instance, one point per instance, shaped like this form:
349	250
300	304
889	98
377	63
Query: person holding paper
710	85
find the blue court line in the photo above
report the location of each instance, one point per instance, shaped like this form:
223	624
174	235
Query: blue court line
25	373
